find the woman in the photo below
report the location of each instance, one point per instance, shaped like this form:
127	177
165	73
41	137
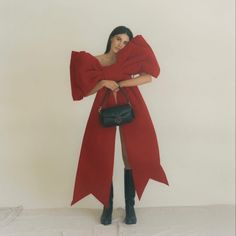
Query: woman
125	56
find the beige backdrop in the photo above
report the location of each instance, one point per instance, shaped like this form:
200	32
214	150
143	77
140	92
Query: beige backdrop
191	103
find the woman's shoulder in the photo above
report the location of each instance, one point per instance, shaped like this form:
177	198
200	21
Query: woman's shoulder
100	58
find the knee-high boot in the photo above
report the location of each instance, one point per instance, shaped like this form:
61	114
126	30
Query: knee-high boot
130	217
106	216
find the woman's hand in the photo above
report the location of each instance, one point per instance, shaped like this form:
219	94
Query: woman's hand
110	84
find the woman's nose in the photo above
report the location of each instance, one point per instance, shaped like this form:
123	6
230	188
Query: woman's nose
121	45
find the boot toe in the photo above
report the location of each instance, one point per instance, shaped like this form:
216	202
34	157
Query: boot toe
131	221
106	221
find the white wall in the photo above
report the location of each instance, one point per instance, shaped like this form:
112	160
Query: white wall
191	103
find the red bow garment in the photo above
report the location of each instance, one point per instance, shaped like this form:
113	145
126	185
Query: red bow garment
95	167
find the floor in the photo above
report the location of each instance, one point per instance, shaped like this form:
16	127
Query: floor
214	220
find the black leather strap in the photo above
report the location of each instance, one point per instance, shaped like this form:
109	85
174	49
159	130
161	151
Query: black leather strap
108	92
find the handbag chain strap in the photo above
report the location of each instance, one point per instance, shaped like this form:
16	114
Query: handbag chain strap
108	92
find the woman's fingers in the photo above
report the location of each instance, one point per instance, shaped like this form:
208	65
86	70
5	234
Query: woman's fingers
113	85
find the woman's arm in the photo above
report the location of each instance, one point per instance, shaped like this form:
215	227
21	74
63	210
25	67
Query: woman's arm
114	86
143	78
110	84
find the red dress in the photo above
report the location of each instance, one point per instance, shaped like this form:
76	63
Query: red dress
95	167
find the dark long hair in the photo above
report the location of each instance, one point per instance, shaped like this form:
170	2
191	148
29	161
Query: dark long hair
118	30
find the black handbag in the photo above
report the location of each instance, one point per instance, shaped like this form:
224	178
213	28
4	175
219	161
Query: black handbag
116	115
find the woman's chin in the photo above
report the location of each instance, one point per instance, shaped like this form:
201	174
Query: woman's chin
116	50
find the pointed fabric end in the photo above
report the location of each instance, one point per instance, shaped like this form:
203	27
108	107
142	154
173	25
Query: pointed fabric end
102	200
160	176
73	202
78	197
140	182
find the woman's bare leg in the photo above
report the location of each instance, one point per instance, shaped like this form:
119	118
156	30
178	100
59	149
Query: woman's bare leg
124	153
130	217
115	96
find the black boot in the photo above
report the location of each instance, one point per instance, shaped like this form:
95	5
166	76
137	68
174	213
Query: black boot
106	216
130	217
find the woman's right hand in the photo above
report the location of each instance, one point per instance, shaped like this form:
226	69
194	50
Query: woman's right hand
110	84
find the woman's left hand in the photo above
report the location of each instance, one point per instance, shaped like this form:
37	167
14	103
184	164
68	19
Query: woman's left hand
117	89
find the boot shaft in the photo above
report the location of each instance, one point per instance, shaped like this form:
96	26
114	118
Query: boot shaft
106	216
129	188
130	217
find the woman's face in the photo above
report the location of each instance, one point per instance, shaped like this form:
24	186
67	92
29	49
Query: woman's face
118	42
